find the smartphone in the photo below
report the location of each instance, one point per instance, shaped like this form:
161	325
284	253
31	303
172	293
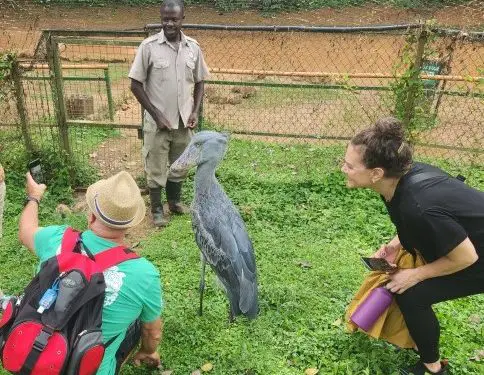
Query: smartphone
378	264
36	171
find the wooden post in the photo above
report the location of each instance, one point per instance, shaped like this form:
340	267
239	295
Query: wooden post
109	93
58	93
58	98
409	110
21	109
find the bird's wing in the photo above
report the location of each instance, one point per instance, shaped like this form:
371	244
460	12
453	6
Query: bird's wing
226	246
208	243
244	244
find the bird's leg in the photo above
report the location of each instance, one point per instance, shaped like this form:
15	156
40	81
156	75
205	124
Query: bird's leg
231	315
202	284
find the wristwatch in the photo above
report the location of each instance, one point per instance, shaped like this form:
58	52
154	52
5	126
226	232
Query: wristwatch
31	199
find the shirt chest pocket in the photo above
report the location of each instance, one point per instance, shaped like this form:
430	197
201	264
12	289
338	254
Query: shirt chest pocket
190	70
161	69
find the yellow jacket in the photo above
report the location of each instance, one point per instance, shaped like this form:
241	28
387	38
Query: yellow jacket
390	326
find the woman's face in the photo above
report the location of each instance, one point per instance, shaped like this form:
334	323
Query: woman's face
357	175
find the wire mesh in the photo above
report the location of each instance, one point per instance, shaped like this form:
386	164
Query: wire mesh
292	86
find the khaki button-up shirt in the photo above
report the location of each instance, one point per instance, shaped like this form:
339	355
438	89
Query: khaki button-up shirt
169	75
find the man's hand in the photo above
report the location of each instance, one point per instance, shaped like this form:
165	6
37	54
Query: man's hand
150	359
34	189
193	120
404	279
2	174
160	120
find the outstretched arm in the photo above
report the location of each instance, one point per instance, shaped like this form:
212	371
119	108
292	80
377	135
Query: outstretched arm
29	220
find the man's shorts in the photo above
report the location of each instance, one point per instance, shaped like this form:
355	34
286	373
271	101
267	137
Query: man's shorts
130	342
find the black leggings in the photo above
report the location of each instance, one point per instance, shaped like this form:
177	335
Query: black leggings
416	306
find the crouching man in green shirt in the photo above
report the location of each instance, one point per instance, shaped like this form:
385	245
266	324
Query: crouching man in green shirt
133	298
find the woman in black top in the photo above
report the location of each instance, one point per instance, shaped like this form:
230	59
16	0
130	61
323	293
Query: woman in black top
434	214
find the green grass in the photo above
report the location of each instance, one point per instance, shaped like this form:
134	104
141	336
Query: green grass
297	208
282	96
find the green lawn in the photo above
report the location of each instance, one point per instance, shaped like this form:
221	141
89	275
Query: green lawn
297	208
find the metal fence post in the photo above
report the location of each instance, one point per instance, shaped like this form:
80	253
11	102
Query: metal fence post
200	116
409	110
21	109
58	96
109	93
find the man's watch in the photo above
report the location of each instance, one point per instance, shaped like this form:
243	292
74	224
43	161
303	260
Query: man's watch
31	199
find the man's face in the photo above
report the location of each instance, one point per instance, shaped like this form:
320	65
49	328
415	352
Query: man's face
357	175
171	21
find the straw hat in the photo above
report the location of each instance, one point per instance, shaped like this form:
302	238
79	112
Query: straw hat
116	201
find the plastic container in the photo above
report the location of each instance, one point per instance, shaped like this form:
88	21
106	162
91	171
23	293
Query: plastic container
368	312
47	300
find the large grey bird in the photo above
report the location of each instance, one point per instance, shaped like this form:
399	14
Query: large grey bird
219	229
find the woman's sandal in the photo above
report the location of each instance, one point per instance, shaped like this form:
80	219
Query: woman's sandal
420	369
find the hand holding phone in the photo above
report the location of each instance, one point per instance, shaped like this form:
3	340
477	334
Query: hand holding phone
36	171
378	264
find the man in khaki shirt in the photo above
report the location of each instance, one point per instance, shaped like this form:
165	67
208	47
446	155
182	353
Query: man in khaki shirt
167	79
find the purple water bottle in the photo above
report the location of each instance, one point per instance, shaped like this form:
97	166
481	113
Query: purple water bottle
368	312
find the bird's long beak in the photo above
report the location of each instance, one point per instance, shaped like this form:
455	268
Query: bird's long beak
187	160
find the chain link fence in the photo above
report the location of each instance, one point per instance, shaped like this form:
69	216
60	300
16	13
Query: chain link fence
69	88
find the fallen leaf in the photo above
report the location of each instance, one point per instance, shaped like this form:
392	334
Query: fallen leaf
476	319
337	322
207	367
304	264
479	356
311	371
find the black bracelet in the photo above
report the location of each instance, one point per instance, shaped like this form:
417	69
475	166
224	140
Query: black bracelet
31	199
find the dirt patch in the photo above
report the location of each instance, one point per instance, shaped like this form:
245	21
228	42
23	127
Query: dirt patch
21	21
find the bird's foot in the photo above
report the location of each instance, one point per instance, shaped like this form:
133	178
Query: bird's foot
231	316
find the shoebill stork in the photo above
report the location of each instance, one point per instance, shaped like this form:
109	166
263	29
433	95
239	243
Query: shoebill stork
219	229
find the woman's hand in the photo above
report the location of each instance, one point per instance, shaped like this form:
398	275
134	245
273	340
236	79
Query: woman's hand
404	279
389	251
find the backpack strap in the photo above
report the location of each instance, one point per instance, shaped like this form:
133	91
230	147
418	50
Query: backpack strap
114	256
39	345
69	240
416	178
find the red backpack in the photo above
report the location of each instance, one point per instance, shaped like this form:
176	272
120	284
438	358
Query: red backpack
54	328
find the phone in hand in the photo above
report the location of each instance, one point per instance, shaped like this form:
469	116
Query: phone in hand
36	171
378	264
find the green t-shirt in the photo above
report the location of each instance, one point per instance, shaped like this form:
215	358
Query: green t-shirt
133	289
